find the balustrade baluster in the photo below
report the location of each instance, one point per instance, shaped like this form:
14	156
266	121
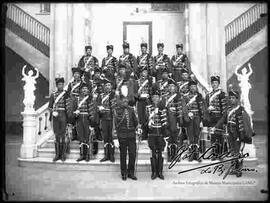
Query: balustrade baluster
39	125
46	119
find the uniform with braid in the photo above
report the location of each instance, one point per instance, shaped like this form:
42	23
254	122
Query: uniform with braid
143	86
109	67
174	105
58	114
130	62
144	60
157	124
160	62
239	130
217	100
178	61
125	125
104	100
195	110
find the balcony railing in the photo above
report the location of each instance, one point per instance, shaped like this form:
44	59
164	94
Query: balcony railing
28	28
245	26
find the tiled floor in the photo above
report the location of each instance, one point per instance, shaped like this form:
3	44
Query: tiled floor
40	184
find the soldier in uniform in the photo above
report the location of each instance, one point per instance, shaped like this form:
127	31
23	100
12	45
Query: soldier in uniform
174	105
144	60
128	60
183	83
157	124
143	84
104	103
160	62
124	79
74	91
109	64
58	115
83	111
195	111
125	125
239	129
179	61
87	63
163	83
216	105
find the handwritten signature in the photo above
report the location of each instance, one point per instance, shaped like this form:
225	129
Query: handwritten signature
219	168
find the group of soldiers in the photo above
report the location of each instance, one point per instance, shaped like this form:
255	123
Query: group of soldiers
154	97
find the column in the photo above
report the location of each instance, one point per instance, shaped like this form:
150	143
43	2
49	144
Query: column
216	63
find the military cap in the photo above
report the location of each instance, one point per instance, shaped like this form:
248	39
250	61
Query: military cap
125	45
192	82
88	47
179	46
234	93
215	78
109	47
160	45
59	80
76	69
144	45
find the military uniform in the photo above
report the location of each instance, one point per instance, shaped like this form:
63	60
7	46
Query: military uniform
239	130
174	105
73	91
195	110
104	102
143	90
129	61
183	83
218	101
144	60
125	125
58	109
160	62
109	65
179	61
87	63
84	106
157	124
163	85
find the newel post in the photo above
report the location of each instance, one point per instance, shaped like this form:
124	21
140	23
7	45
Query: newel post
29	146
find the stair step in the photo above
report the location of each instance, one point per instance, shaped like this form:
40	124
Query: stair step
95	165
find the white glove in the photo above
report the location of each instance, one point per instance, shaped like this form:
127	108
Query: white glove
101	108
190	114
116	143
211	108
77	112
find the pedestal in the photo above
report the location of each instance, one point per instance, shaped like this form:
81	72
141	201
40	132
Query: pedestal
29	147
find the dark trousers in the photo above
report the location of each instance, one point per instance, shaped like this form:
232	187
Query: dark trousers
177	75
59	126
156	143
216	138
83	130
127	144
193	130
106	130
172	128
141	108
234	146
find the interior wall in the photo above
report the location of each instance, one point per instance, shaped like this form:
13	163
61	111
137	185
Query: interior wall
107	25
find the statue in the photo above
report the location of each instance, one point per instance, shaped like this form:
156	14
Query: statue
29	87
245	87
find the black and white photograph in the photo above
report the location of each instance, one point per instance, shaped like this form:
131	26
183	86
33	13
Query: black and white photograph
136	101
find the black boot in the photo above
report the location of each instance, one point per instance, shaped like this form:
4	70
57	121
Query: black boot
169	153
57	151
196	154
191	152
87	152
106	153
153	167
82	153
111	152
95	147
160	167
173	151
64	150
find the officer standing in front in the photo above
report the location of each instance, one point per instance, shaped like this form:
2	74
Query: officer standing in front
58	115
